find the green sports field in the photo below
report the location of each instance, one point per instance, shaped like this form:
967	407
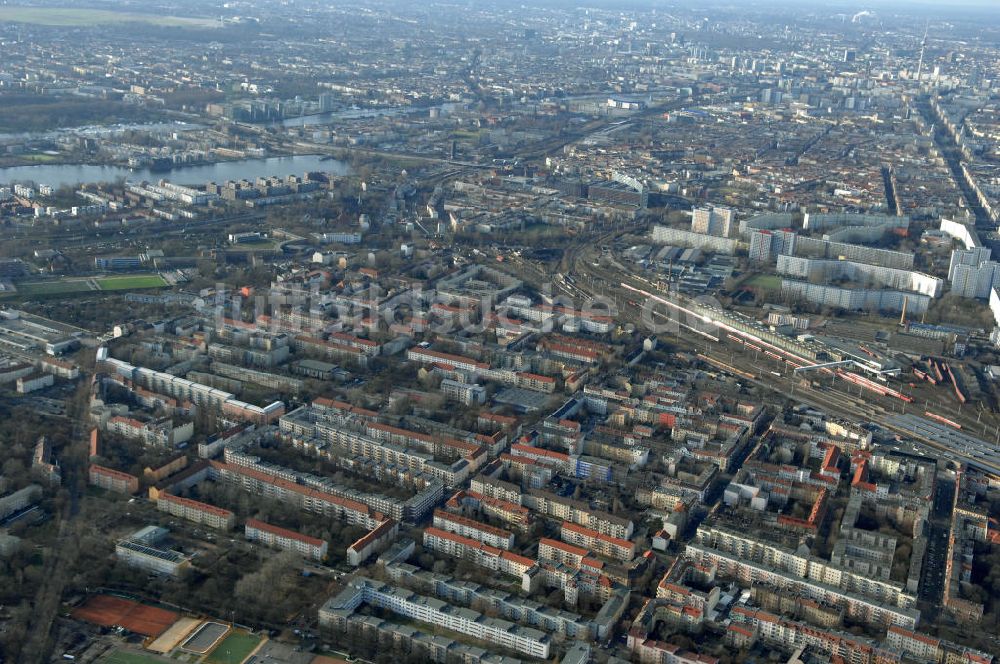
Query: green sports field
56	287
124	657
234	649
130	282
764	281
58	16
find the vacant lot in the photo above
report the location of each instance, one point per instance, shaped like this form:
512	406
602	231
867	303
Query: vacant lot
87	17
131	282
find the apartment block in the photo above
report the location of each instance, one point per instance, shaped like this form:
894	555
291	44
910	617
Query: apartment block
856	299
515	515
198	512
113	480
826	270
682	238
766	245
605	545
141	551
19	500
375	541
792	634
160	433
864	607
287	540
526	640
466	527
466	393
483	555
285	490
578	512
718	221
508	605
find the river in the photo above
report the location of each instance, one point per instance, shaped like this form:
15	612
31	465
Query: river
73	175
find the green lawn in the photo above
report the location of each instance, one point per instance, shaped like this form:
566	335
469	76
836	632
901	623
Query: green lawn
131	282
234	649
39	158
55	287
765	281
123	657
57	16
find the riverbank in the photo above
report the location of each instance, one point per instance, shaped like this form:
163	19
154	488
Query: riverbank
74	175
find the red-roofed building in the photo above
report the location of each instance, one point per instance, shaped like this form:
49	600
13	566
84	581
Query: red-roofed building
561	552
543	456
372	542
193	510
309	499
479	553
454	523
330	349
288	540
536	382
366	346
516	515
113	480
428	356
605	545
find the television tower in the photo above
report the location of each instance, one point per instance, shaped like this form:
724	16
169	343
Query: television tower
920	63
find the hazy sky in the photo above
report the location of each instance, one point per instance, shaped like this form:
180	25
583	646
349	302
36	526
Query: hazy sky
832	5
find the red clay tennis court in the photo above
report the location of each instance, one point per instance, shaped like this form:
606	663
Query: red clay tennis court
109	611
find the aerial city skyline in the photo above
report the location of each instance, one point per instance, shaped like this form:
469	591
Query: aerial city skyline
497	332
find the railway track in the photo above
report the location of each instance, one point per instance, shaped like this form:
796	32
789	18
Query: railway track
837	399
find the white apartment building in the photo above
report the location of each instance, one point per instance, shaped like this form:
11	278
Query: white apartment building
681	238
160	561
466	393
972	273
526	640
887	277
718	221
765	244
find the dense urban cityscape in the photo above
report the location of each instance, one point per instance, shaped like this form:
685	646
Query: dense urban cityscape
487	332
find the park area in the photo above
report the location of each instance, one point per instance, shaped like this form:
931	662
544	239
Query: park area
110	611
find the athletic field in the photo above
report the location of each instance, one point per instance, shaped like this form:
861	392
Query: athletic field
69	286
125	657
234	649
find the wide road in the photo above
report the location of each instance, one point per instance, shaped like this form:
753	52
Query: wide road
59	561
953	157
